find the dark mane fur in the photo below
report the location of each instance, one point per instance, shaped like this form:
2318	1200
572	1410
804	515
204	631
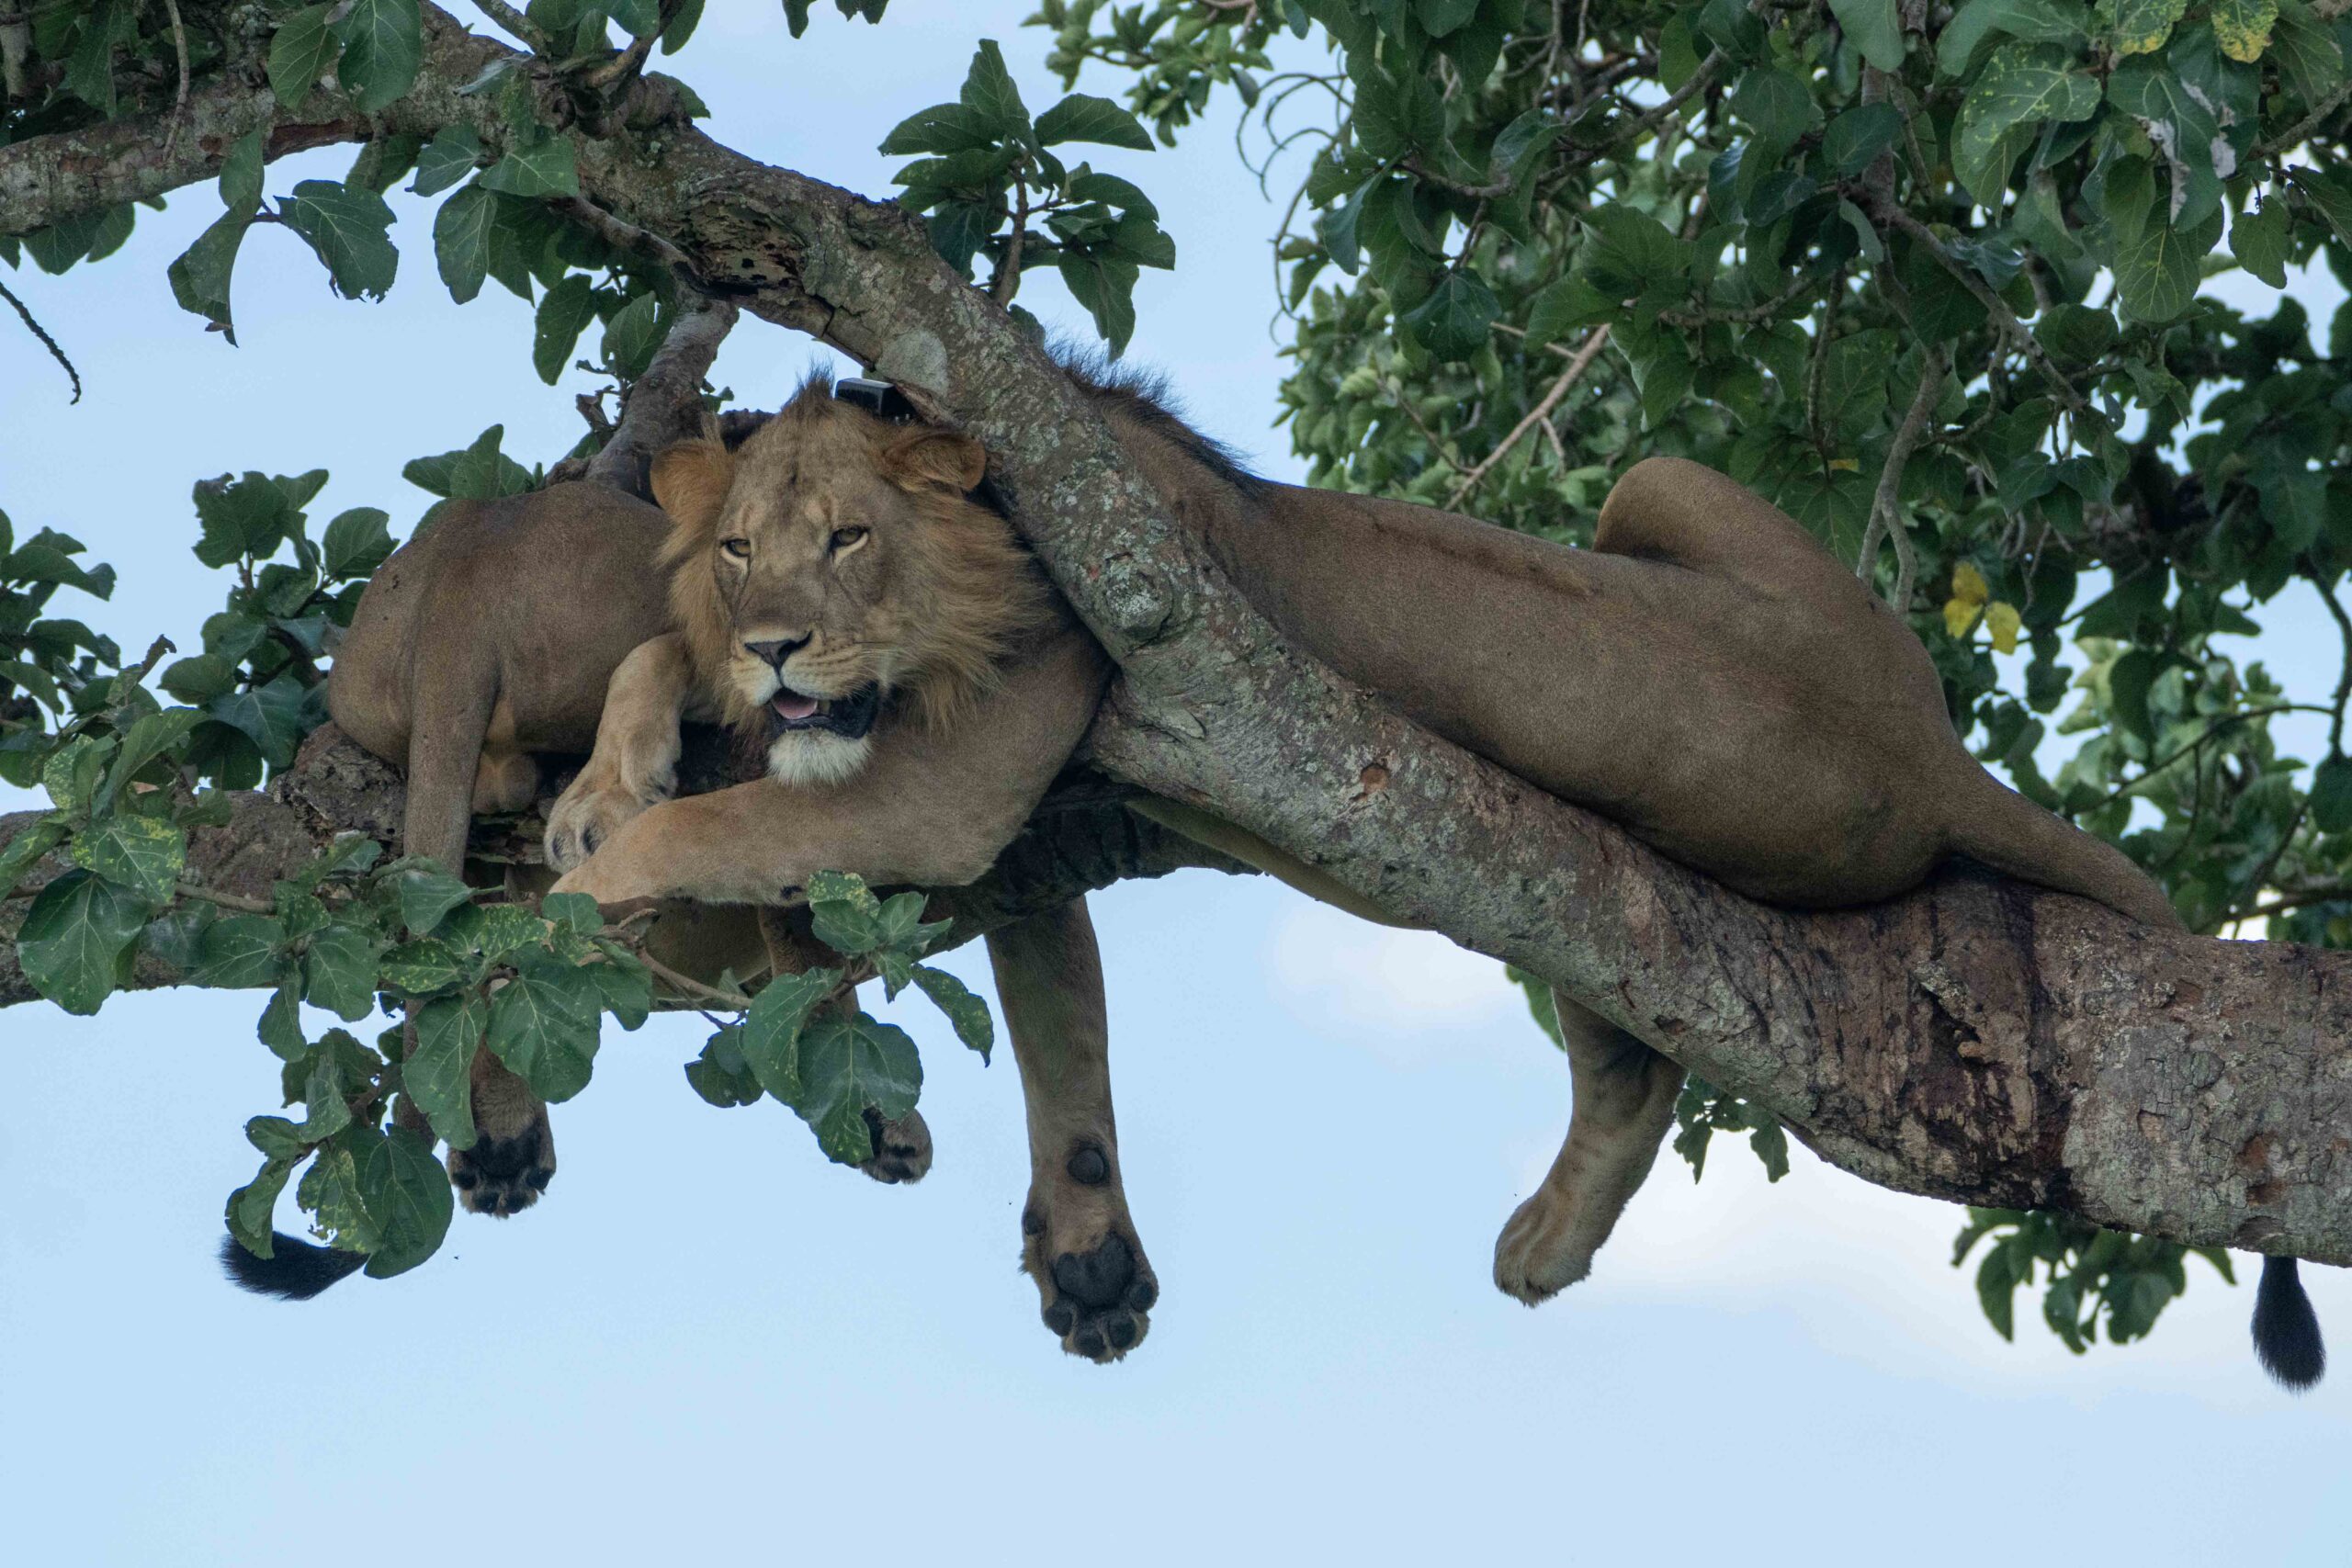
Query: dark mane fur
1143	396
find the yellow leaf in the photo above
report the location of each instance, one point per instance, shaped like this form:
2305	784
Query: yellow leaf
2002	621
1968	586
2242	28
1845	465
1959	616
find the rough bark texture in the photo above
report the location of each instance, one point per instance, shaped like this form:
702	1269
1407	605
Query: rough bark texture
1976	1040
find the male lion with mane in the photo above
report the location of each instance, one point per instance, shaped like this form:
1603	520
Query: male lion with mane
1707	675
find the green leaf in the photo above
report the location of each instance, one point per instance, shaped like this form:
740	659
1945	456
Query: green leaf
989	94
383	45
633	335
850	1063
575	912
1457	317
426	894
355	543
348	229
543	1025
1083	118
2242	26
74	938
2258	241
339	971
720	1074
250	1206
566	312
541	167
408	1196
299	53
331	1191
942	128
1856	138
1872	26
149	737
625	985
439	1076
2332	794
421	967
2141	26
238	952
271	717
462	240
2157	268
447	158
965	1011
2180	122
143	854
31	842
200	276
1777	104
772	1029
1106	286
2127	683
2021	87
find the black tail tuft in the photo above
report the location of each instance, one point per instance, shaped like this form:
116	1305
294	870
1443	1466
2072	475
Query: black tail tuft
2286	1330
295	1269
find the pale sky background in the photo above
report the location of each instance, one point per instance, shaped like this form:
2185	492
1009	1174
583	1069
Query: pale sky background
710	1345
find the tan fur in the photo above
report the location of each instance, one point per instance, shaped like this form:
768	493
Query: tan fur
484	643
1707	675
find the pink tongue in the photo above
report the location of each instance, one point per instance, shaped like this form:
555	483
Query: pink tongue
793	705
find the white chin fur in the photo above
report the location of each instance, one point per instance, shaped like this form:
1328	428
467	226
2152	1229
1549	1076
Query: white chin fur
817	757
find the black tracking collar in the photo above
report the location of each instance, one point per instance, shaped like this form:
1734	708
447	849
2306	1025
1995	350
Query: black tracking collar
879	399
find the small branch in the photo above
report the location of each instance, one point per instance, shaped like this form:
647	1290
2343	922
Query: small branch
521	26
2343	683
625	236
1008	270
47	341
179	100
687	985
2294	135
1886	507
664	405
1887	210
1594	342
188	889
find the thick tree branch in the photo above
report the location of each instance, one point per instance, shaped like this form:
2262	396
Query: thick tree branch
1975	1040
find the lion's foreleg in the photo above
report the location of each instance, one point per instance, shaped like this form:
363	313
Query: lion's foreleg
1623	1101
634	764
1078	1243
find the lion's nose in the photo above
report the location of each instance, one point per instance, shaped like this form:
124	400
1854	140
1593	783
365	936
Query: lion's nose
774	654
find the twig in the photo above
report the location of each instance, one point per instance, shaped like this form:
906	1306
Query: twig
1886	507
685	985
179	102
1887	210
2301	130
626	236
665	404
188	889
521	26
622	68
47	341
1008	270
1594	342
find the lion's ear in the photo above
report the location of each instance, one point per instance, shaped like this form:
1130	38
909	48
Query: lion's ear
935	457
690	482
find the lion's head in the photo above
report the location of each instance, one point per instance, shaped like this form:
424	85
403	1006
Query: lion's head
835	563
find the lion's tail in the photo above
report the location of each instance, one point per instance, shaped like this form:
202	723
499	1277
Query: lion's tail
2012	834
295	1269
2003	830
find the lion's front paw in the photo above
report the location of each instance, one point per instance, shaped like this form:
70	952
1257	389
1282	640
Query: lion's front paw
1095	1284
589	813
902	1148
1547	1246
503	1176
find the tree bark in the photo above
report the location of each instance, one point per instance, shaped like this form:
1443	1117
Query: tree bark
1977	1040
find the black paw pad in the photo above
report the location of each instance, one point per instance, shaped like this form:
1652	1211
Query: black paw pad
1100	1277
1089	1166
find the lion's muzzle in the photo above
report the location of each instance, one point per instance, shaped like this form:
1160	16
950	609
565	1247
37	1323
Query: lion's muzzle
848	716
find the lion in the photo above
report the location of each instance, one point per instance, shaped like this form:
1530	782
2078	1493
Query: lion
1707	675
484	643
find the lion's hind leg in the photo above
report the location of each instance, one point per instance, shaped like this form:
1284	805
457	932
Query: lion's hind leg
1623	1101
512	1157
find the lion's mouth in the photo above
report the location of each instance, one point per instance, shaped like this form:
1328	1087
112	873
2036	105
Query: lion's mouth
850	715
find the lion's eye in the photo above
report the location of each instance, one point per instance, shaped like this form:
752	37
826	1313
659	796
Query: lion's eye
845	537
738	549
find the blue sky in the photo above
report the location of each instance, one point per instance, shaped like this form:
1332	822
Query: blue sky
708	1341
